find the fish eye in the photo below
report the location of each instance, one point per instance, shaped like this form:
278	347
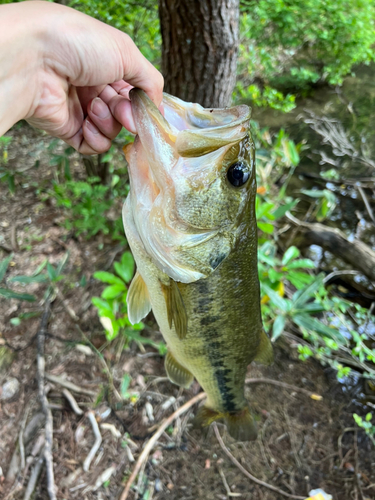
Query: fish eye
238	173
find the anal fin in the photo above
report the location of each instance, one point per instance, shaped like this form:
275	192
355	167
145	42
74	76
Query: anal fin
176	311
264	353
177	373
138	300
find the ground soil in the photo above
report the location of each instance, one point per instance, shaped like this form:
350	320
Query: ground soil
302	443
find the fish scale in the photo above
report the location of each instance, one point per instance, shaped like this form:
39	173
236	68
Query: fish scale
204	292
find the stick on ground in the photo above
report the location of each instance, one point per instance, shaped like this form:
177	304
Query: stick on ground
41	335
247	473
151	443
98	441
313	395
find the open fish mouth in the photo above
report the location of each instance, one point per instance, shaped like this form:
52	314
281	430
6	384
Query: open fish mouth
183	208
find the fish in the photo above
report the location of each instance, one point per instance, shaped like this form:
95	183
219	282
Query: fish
190	222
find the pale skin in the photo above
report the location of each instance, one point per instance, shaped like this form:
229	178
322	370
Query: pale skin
69	74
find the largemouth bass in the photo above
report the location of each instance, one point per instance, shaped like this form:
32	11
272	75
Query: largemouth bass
190	223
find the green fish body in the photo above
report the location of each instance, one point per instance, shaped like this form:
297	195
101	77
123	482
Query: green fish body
190	222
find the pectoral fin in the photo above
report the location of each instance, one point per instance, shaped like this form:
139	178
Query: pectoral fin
264	354
177	373
175	309
138	300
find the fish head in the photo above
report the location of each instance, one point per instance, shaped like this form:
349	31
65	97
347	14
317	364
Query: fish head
193	185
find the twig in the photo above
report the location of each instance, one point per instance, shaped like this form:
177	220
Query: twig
356	475
226	485
339	441
244	471
69	385
73	403
65	304
98	441
20	439
102	360
333	274
151	443
43	400
33	478
13	238
312	395
367	204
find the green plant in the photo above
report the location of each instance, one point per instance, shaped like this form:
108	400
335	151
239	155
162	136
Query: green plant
367	425
325	202
112	307
50	278
61	159
7	174
289	44
139	19
87	205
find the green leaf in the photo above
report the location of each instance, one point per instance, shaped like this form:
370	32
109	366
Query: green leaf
40	267
15	321
125	269
125	385
4	266
312	308
291	254
299	279
302	296
301	264
266	227
108	278
314	325
281	211
278	327
101	304
113	291
40	278
9	294
52	274
275	298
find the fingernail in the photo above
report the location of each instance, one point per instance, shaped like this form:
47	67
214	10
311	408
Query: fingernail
91	127
99	108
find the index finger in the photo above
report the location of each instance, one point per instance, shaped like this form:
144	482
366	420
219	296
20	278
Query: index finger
139	72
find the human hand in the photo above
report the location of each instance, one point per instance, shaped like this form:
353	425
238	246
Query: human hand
80	74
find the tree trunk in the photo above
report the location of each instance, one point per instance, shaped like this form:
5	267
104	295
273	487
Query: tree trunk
200	45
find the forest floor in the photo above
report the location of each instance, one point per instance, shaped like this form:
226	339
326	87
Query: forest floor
303	443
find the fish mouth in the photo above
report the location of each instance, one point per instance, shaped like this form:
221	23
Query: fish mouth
196	130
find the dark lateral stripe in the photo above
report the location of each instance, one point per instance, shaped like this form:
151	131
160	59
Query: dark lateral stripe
215	349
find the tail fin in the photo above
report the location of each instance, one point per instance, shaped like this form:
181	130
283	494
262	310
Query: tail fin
240	425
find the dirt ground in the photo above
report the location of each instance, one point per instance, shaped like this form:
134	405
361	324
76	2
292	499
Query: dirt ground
302	444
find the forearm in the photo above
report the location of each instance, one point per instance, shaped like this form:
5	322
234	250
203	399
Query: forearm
19	63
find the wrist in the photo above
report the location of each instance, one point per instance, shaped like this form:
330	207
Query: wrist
20	60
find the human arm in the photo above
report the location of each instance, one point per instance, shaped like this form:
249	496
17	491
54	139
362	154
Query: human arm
54	62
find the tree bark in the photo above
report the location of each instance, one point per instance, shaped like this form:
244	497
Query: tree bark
199	51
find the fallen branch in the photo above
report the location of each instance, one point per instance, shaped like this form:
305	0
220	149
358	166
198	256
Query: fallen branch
73	403
69	385
356	253
98	441
33	478
44	402
244	471
151	443
312	395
